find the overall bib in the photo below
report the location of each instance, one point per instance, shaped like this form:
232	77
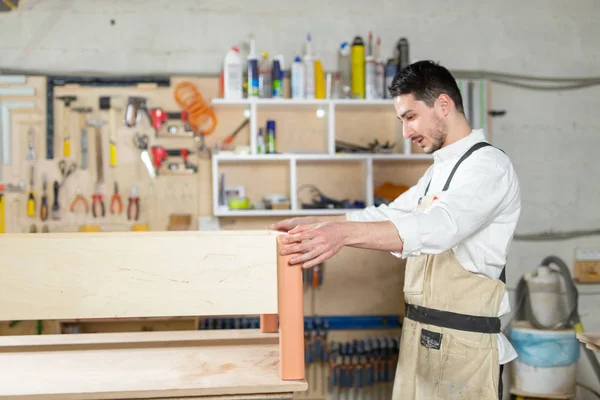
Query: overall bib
448	348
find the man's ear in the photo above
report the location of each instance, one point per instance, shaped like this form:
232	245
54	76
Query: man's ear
444	103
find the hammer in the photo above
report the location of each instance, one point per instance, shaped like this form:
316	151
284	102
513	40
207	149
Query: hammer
97	124
84	139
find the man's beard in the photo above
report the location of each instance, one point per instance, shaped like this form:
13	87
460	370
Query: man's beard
437	134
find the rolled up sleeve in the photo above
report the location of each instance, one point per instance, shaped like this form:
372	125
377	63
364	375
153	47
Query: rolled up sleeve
471	202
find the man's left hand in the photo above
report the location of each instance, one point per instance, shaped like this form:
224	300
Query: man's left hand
315	243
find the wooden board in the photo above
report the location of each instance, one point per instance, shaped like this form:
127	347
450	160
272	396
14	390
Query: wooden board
591	340
137	274
142	365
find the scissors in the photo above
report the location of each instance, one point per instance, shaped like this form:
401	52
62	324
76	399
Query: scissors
66	171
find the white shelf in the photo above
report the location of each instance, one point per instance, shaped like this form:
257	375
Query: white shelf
228	157
305	102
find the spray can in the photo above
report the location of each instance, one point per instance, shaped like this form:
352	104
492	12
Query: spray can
276	79
358	68
253	91
298	79
260	143
379	71
264	77
402	55
271	147
391	68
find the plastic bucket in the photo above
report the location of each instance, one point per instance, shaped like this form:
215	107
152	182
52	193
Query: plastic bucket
546	363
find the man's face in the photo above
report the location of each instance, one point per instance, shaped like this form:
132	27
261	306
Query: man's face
423	125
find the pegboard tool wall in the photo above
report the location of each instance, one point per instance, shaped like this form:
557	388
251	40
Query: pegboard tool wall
356	282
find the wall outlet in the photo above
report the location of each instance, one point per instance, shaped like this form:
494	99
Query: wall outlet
586	268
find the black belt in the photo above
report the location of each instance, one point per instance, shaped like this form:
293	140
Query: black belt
447	319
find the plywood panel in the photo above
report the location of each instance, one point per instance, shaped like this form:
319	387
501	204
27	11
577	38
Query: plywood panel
141	274
143	365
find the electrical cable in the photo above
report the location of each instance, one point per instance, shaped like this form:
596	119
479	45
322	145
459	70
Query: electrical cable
556	235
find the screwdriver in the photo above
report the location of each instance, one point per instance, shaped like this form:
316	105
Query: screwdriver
31	199
44	205
55	205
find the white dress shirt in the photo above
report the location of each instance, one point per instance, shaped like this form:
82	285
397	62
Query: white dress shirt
477	219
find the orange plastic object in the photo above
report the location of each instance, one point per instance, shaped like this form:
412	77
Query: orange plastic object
199	112
291	316
269	323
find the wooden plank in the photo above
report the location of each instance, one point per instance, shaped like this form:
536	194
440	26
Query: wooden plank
142	365
291	316
137	274
591	340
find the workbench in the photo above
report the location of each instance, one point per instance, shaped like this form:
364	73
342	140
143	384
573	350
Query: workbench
151	274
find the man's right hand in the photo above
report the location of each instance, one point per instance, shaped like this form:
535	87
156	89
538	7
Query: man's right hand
290	223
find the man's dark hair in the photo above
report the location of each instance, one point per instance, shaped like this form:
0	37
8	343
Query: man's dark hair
426	80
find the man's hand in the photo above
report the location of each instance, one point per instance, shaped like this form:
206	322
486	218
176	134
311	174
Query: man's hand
287	225
315	243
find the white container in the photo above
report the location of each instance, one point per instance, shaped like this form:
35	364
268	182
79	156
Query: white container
298	79
545	296
233	75
546	365
309	70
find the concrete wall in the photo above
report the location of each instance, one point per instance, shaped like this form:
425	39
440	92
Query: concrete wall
550	135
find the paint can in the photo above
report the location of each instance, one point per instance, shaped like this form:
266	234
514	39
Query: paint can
546	365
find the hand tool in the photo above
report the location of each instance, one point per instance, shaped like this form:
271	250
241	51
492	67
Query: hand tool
159	116
83	134
31	144
112	105
133	113
31	198
44	203
232	136
116	206
2	209
66	131
159	154
97	124
98	209
55	205
141	142
133	207
65	171
79	198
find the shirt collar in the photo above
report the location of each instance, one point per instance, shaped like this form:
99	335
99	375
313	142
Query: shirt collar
459	147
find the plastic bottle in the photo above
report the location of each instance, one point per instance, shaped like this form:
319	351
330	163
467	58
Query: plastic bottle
319	80
309	70
232	75
276	80
264	77
402	53
379	71
345	68
253	89
298	79
271	146
358	68
260	142
370	88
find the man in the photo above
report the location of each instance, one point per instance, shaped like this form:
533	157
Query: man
454	227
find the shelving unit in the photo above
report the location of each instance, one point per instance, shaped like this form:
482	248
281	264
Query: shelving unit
354	122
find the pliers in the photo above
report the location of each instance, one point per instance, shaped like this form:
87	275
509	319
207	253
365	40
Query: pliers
98	204
79	198
116	205
133	208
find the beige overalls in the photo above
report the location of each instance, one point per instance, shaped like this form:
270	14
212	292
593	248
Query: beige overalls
448	347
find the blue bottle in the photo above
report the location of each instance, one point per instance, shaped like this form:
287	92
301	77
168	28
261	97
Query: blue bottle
271	147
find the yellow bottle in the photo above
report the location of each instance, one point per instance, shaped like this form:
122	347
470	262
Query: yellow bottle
319	80
358	68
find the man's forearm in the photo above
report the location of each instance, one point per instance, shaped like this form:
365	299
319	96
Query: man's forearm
380	235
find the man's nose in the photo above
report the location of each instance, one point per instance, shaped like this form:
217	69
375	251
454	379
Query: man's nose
406	132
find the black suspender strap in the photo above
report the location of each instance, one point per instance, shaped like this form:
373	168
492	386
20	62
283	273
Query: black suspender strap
473	148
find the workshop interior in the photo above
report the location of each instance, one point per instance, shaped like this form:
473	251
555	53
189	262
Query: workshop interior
134	119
